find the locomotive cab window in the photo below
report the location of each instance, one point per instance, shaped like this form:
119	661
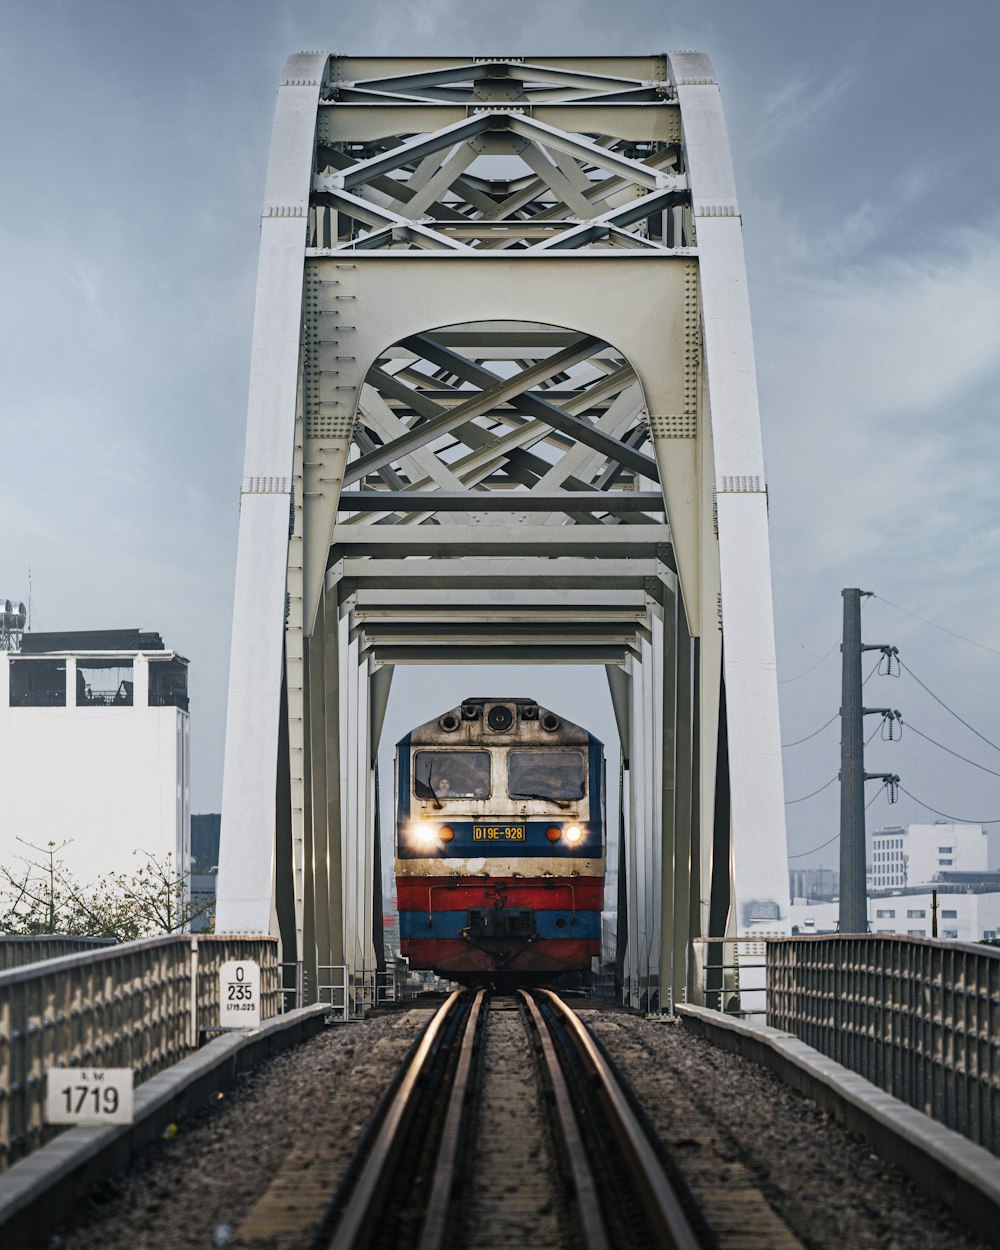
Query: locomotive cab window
451	775
550	775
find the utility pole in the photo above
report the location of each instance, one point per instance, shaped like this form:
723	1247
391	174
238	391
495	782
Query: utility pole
853	886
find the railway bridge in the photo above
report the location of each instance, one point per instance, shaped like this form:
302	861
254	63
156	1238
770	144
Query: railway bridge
503	410
502	307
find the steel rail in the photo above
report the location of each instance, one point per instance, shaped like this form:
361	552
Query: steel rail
666	1217
380	1166
590	1218
447	1169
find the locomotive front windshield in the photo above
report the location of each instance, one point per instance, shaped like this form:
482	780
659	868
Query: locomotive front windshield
451	775
550	775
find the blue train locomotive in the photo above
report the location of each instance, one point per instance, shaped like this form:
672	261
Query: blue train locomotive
500	843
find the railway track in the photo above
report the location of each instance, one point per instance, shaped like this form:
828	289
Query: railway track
507	1126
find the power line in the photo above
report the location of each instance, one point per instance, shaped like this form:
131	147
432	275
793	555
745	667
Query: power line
783	681
802	854
942	628
823	845
799	741
941	745
788	802
947	708
960	820
874	670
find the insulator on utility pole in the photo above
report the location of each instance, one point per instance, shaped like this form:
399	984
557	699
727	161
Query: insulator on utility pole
853	885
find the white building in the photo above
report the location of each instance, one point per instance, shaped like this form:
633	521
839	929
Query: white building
915	855
965	914
94	751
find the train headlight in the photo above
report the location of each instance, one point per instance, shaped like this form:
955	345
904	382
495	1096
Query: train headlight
573	834
425	836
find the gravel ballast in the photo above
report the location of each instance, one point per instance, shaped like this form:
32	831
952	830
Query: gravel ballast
196	1188
827	1185
201	1187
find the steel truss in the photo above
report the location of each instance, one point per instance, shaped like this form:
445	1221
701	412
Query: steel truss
503	409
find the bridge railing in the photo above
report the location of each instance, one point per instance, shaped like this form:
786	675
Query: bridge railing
918	1017
17	949
141	1005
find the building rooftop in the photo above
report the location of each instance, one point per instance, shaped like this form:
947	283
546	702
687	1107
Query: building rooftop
947	883
46	642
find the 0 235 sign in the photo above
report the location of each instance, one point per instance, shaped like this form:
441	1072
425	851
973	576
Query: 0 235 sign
239	994
88	1095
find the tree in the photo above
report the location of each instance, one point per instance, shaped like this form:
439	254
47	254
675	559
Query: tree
44	897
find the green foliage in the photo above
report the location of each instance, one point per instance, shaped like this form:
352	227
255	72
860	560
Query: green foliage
989	942
44	897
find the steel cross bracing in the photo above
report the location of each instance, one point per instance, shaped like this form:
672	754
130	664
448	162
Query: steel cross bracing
503	408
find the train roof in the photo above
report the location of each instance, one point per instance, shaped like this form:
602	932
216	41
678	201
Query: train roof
470	720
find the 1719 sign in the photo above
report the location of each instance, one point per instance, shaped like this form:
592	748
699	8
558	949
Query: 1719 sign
239	994
88	1095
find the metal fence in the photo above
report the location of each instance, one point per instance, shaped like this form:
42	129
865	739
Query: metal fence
918	1017
140	1005
16	949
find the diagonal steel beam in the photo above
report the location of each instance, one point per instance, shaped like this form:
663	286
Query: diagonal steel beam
461	72
492	451
493	391
446	173
588	152
520	70
377	215
388	426
625	215
411	150
534	405
538	159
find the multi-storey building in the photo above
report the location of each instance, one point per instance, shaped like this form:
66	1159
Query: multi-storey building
915	855
94	752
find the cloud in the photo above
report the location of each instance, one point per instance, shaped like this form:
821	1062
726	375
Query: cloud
793	105
877	376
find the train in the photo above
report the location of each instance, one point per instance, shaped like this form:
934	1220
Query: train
500	844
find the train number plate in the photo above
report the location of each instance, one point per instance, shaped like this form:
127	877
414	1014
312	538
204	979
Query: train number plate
498	833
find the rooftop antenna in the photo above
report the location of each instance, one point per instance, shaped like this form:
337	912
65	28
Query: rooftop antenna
28	623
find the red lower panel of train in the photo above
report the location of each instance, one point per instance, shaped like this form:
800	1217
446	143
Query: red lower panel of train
510	925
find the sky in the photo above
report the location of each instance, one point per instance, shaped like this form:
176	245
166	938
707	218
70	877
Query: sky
133	151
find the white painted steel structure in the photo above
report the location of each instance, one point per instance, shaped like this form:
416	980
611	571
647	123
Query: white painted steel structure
503	408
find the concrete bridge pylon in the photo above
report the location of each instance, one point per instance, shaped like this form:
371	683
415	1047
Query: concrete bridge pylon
503	410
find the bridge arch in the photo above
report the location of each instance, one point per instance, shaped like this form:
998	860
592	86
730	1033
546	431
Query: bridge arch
381	220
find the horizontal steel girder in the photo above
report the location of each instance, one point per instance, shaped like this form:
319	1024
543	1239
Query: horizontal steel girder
591	574
555	616
494	540
419	599
554	654
501	501
487	632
